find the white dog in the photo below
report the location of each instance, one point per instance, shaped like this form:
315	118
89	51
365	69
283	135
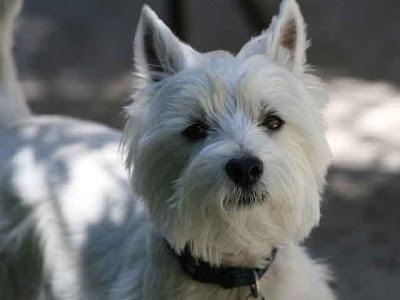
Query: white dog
227	157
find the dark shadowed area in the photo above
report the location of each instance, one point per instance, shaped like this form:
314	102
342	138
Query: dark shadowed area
75	58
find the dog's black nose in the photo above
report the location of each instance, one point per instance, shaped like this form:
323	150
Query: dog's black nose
245	171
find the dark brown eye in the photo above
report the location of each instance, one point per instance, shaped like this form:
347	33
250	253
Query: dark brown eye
272	122
195	132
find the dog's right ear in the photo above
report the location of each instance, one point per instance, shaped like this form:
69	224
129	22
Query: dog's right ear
285	41
158	53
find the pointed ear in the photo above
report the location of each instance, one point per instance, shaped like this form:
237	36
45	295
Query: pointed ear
285	40
158	53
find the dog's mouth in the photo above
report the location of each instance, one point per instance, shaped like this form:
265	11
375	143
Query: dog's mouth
246	198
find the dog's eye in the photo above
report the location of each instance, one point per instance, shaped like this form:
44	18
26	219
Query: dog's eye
195	132
272	122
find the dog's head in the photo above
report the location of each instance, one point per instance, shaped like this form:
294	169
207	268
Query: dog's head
228	151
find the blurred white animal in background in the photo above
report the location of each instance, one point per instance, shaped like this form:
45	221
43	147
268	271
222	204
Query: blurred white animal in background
62	182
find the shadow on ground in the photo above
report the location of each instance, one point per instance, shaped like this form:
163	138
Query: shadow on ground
359	233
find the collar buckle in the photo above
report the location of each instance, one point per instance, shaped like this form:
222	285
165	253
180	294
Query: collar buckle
254	289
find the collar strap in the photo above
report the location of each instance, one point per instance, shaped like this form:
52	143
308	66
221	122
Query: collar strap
225	276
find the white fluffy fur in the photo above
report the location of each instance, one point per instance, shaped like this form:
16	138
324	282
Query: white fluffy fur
66	208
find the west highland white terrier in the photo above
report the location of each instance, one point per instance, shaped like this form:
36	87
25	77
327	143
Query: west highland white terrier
227	156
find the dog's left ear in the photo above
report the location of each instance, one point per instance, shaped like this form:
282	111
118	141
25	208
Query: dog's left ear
285	40
158	53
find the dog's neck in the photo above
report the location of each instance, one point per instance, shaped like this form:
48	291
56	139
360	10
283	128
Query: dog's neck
243	257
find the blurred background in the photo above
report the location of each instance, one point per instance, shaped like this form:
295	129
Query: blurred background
75	58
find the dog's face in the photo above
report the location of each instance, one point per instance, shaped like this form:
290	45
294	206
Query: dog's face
228	152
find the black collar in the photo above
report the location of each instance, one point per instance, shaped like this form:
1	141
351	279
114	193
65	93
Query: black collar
226	276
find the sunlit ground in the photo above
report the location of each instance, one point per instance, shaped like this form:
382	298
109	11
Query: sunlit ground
364	124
